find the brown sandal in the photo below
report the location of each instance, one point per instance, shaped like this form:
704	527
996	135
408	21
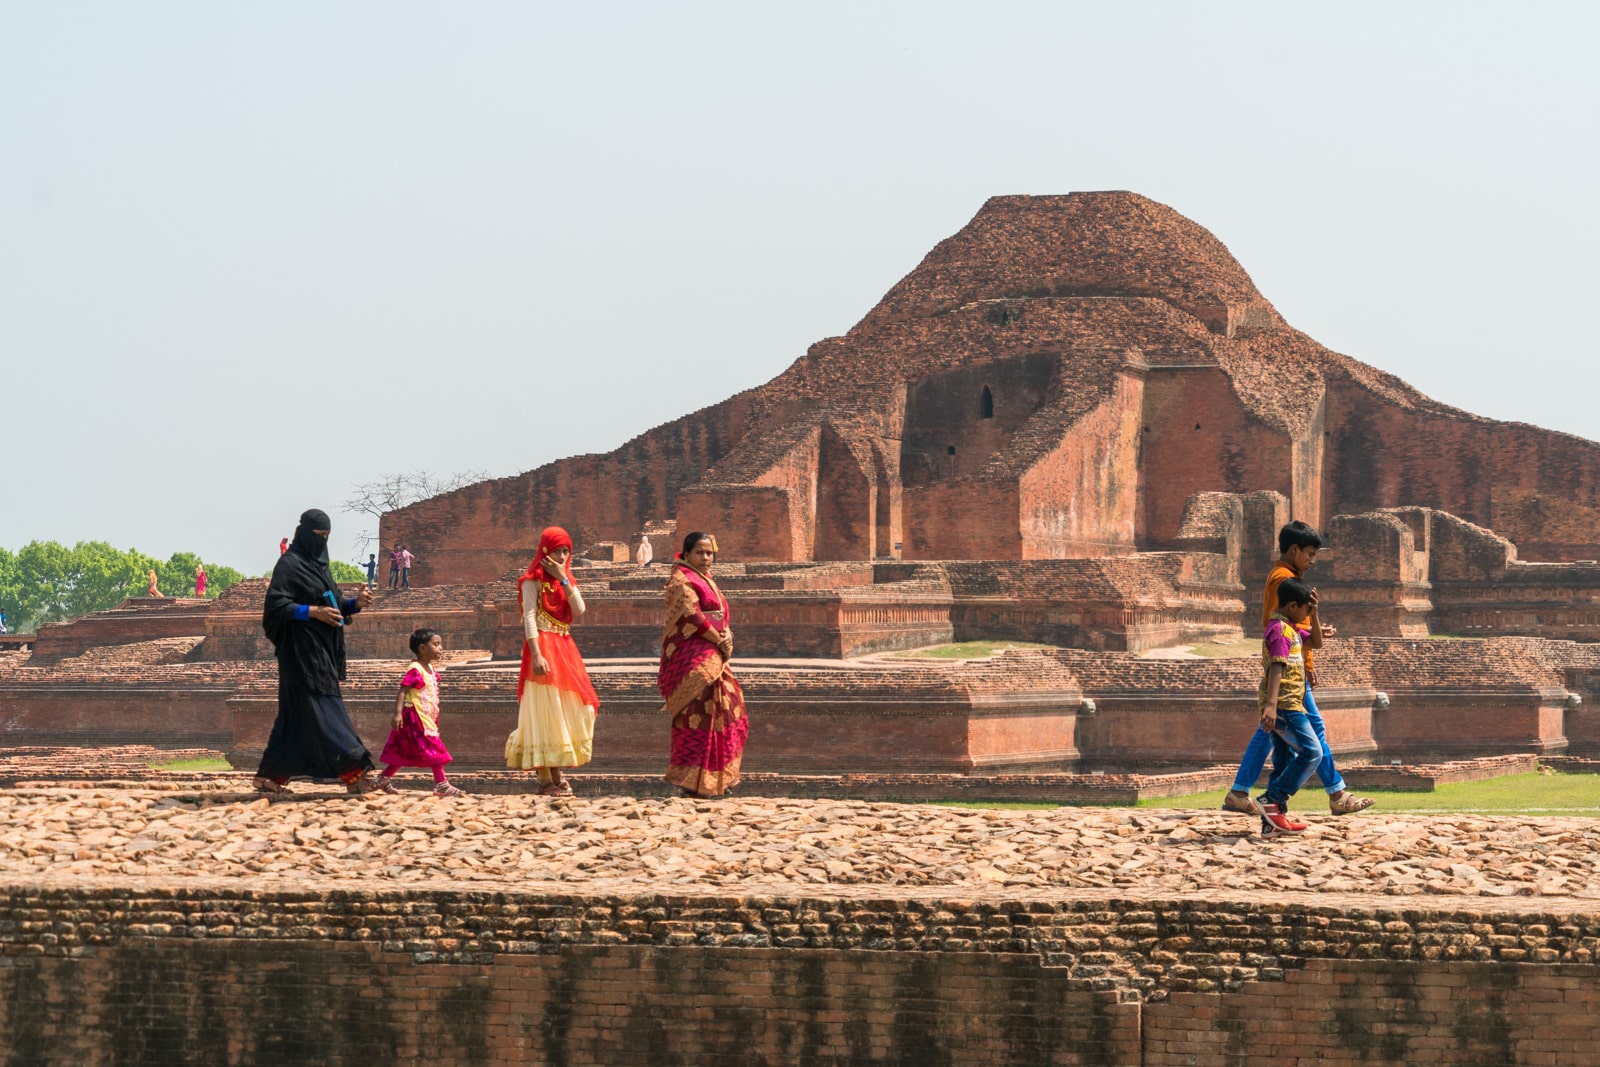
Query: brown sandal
268	786
562	788
1348	803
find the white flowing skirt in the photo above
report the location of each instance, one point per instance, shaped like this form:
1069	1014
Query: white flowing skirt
553	729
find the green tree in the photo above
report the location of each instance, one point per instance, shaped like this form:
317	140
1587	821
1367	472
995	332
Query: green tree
47	582
9	587
99	575
346	572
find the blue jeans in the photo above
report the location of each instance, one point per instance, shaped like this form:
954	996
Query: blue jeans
1296	752
1255	755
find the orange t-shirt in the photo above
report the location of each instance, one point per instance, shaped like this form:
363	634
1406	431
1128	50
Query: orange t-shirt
1269	600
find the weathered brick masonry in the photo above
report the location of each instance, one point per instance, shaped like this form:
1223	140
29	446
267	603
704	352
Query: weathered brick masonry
139	975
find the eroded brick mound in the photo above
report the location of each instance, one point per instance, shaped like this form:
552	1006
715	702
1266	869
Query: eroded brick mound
1085	244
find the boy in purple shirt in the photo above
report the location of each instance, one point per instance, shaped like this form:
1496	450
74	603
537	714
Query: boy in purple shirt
1296	749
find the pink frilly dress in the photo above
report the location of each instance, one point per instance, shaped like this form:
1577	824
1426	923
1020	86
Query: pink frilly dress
416	743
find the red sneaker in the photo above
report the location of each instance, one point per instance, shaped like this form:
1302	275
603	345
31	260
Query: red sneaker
1276	822
1294	825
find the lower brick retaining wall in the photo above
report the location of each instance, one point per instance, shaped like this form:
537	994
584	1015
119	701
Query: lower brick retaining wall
136	976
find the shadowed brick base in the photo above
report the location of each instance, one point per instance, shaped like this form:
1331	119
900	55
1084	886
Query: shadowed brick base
106	975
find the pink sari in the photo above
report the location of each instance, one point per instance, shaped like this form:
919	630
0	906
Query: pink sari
709	724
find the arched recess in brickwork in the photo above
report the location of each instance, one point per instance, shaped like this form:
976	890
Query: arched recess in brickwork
986	404
845	495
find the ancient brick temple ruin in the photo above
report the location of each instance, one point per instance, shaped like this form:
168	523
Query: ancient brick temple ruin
1054	381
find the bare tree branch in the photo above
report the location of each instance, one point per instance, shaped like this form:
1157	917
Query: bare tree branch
394	491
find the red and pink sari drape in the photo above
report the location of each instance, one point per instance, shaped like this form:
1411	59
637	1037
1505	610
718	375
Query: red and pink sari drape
709	724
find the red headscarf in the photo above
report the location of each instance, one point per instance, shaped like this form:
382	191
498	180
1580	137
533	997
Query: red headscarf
551	596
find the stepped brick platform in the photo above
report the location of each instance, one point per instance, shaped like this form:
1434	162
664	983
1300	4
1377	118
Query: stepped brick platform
135	619
1020	711
135	927
133	767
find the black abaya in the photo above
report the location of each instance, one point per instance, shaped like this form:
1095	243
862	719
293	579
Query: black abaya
312	734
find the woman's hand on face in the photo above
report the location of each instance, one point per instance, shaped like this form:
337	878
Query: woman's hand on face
325	613
552	568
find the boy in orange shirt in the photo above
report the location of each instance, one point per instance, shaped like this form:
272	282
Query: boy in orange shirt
1298	544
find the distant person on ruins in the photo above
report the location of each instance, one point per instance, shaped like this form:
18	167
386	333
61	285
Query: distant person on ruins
1296	748
283	546
644	553
304	618
199	579
406	559
414	739
3	623
556	703
705	700
152	590
371	567
1298	545
394	566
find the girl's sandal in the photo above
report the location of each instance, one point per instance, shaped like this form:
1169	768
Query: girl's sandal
556	789
1349	804
387	786
445	789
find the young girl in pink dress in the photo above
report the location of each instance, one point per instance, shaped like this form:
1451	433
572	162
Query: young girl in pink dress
414	740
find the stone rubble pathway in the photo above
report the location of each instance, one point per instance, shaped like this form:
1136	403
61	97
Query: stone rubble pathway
654	845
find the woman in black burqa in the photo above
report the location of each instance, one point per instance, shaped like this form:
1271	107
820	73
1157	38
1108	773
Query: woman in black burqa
304	617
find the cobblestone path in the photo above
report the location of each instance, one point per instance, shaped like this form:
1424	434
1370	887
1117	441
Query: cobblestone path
627	844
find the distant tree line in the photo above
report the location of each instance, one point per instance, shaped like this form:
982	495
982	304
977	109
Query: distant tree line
47	582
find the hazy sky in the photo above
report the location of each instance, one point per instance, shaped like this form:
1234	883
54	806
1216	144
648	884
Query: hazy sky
252	254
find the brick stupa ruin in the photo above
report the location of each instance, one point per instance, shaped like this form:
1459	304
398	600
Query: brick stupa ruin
1056	380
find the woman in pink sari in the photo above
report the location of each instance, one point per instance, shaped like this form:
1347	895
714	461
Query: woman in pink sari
709	724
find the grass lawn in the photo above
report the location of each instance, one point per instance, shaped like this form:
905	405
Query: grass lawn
1229	650
1515	794
966	650
193	765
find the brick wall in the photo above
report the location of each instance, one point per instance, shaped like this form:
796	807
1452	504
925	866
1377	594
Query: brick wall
119	975
1466	1014
1198	437
160	1002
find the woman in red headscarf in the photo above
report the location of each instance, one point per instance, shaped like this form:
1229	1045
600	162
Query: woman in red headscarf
556	702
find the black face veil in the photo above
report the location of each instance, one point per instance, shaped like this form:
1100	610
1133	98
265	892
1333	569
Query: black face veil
306	541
